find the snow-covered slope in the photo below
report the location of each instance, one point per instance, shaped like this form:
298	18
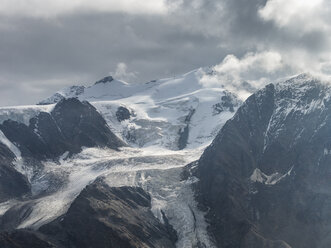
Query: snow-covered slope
22	113
158	171
174	113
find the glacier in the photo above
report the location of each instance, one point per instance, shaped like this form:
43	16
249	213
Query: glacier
163	113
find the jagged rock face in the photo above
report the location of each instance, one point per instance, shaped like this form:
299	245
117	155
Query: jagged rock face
27	140
50	134
110	217
266	176
12	183
69	127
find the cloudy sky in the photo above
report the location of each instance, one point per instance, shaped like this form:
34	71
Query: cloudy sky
46	45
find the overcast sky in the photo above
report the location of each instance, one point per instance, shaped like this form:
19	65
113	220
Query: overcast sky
46	45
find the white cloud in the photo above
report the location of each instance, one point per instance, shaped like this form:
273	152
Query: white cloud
264	62
301	15
122	73
52	8
260	68
256	69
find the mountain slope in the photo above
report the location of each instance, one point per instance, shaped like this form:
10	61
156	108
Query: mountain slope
70	126
266	175
12	183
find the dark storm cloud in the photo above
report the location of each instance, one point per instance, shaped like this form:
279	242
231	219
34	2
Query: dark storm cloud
39	55
87	47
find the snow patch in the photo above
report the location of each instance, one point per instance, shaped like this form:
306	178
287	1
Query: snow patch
260	177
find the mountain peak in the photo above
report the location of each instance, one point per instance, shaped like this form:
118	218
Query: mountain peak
302	78
107	79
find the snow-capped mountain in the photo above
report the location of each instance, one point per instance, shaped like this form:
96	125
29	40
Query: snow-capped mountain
129	160
173	113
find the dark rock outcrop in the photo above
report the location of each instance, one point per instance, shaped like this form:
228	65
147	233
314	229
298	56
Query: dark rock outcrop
122	114
184	132
12	183
70	126
81	125
24	239
25	138
105	80
229	102
265	179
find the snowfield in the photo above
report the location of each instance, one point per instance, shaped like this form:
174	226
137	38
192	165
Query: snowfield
159	109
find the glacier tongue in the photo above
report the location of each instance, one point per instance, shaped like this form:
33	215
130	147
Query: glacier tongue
158	171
